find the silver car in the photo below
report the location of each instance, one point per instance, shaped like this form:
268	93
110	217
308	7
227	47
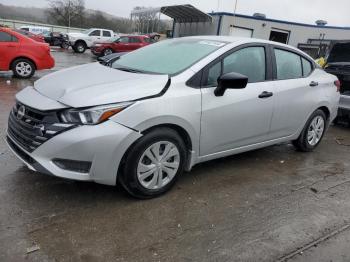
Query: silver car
158	111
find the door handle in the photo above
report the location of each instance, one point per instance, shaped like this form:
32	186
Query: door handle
265	94
313	83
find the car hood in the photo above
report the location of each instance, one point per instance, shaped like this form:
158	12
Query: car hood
95	84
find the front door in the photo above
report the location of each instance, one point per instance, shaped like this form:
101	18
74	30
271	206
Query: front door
240	117
95	36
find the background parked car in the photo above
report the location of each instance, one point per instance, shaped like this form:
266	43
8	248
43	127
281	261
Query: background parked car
109	59
338	63
154	36
57	39
38	38
122	44
23	55
82	41
35	29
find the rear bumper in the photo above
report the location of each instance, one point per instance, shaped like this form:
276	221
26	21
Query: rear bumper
46	63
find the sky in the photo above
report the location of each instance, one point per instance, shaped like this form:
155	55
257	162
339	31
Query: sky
304	11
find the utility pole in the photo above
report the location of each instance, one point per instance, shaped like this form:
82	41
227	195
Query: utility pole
69	9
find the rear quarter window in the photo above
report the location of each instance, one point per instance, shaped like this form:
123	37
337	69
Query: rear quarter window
6	37
307	67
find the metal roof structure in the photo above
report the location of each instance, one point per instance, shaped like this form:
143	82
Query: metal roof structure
185	14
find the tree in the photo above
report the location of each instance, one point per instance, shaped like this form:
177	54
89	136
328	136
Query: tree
67	12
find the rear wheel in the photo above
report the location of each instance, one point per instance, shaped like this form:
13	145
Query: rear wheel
153	164
65	45
23	68
313	132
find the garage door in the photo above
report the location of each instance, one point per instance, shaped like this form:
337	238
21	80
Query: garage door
241	32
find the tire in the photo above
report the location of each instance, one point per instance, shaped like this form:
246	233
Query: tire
107	51
23	68
65	45
137	176
308	142
80	47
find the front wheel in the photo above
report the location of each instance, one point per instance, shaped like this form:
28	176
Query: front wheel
313	132
107	51
23	68
153	164
80	47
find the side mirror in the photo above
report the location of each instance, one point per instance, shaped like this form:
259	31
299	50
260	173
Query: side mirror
230	81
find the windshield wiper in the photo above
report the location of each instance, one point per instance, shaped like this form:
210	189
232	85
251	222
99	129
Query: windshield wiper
130	70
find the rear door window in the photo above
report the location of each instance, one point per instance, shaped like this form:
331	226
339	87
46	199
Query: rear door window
107	34
288	64
6	37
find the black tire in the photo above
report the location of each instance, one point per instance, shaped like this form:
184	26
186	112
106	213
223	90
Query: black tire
302	144
26	73
107	51
128	175
65	45
80	47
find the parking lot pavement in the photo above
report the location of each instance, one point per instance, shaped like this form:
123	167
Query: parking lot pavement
266	205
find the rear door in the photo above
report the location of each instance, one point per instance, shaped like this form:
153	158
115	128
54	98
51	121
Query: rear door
9	46
106	35
297	91
135	43
241	117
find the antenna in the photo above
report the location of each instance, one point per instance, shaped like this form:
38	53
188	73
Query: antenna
234	11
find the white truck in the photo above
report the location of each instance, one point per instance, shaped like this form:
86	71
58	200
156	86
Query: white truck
84	40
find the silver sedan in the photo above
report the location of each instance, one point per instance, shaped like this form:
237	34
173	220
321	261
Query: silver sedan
158	111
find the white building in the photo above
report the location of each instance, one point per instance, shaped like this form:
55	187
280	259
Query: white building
310	38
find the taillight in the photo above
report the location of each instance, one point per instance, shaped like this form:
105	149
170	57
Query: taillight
337	83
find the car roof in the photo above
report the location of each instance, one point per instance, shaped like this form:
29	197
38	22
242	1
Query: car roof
245	40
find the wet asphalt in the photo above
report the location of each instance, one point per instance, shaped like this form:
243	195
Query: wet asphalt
273	204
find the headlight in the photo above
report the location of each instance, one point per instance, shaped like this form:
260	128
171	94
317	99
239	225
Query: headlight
98	45
92	116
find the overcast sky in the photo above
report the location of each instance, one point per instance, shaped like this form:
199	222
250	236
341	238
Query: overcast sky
336	12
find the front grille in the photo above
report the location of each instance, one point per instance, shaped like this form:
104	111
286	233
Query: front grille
31	128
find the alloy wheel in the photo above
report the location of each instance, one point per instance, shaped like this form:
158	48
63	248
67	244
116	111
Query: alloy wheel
316	130
23	69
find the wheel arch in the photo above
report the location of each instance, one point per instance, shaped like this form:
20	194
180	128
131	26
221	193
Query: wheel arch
184	134
325	110
81	41
23	57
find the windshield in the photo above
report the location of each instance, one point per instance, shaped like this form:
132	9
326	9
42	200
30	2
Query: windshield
87	31
168	57
339	53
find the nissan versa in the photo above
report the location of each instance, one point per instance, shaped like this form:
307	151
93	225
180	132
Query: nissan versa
155	112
